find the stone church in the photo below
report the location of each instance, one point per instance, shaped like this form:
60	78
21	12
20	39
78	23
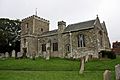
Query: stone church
73	40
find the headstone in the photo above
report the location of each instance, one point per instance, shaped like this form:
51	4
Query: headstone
86	58
107	75
48	51
6	54
13	53
117	71
33	55
19	54
2	55
44	54
82	65
69	55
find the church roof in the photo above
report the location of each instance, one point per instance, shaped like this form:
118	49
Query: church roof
80	26
52	32
73	27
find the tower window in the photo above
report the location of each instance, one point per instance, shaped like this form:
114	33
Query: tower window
26	25
41	29
81	40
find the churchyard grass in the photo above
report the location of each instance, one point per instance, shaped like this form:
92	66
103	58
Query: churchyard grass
54	69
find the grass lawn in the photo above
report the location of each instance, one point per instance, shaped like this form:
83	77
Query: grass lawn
54	69
49	75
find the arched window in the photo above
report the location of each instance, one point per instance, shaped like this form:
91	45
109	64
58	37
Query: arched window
67	46
81	40
26	25
41	29
24	41
100	33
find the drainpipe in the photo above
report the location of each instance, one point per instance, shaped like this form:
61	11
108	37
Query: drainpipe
38	47
71	44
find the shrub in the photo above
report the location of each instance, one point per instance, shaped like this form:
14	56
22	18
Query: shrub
108	54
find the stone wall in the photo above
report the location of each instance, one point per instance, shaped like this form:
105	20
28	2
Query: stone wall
96	39
40	26
31	27
90	41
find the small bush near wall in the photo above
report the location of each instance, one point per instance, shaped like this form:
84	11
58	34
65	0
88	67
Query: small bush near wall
108	54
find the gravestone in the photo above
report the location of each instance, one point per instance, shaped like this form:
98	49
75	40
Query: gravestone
117	71
2	55
86	58
82	65
13	53
19	54
6	54
48	51
107	75
33	55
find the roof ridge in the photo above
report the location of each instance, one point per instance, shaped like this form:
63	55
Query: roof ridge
81	22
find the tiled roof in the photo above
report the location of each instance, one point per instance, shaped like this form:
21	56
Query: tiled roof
80	26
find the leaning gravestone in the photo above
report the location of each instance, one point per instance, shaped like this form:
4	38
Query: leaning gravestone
117	71
82	65
107	75
6	54
86	58
13	53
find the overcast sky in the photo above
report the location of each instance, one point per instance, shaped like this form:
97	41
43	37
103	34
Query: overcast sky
71	11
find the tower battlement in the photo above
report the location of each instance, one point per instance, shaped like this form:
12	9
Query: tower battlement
36	17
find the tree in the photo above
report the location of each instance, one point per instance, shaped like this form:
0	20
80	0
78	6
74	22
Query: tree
9	35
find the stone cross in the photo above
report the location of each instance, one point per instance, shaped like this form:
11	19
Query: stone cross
107	75
117	71
13	53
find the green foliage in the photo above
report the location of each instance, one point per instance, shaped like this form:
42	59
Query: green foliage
40	64
49	75
54	69
108	54
9	34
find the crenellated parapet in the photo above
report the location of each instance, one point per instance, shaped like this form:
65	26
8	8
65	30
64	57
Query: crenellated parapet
36	17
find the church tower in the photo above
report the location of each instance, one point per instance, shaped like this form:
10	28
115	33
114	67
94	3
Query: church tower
31	28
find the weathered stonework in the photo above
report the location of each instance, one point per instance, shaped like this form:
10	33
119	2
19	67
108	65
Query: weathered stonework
35	33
